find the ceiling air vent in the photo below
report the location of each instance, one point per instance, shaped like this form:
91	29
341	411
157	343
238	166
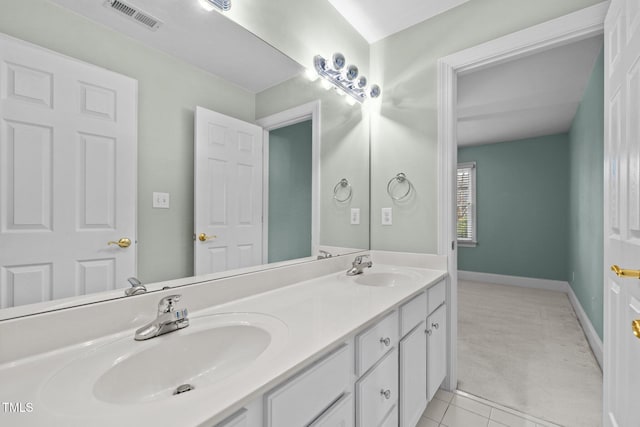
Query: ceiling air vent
132	12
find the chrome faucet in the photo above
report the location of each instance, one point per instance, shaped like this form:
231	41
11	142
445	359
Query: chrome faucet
324	254
169	319
359	264
136	287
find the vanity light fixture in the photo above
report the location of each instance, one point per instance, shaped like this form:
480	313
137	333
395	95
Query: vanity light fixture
222	5
345	79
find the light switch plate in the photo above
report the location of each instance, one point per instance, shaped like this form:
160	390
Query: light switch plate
387	216
161	200
355	216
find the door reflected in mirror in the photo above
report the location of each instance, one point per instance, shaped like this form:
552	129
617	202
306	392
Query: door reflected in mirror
176	68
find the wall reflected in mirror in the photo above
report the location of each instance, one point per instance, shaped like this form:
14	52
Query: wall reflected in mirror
193	58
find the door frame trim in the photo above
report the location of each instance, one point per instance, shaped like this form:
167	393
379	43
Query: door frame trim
566	29
310	110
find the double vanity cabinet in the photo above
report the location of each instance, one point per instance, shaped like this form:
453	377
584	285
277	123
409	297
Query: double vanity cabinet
298	346
383	376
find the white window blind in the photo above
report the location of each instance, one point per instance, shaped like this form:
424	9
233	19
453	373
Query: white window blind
466	203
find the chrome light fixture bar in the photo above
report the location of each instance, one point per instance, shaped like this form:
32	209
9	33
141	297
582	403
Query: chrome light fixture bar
345	77
223	5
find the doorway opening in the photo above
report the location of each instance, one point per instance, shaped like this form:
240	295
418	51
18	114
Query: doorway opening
291	183
572	28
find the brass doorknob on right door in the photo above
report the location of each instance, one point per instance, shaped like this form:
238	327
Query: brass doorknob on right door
635	326
203	237
632	274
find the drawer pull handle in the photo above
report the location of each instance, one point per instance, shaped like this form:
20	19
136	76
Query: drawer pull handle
428	331
435	325
386	341
386	393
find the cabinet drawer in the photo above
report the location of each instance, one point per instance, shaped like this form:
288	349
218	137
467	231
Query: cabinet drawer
392	418
436	296
340	414
373	343
412	313
300	400
239	419
377	392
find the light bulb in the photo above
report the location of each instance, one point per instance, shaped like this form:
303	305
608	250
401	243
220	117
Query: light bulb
338	61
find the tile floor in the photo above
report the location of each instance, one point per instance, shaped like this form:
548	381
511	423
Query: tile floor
461	409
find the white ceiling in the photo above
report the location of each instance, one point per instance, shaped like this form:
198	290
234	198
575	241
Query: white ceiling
529	97
206	39
377	19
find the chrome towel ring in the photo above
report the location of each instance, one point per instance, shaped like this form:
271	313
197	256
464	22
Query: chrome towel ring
400	178
343	183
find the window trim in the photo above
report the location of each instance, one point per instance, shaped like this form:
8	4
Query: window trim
473	242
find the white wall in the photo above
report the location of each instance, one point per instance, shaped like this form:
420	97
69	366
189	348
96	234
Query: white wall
302	29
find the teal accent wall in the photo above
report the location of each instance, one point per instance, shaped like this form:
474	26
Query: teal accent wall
290	192
586	198
522	208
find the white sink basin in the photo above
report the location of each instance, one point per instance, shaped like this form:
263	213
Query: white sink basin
385	276
198	359
126	372
387	279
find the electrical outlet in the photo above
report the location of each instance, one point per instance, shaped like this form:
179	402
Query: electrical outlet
161	200
355	216
387	216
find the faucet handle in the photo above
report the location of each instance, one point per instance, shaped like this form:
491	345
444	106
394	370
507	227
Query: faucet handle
167	304
360	258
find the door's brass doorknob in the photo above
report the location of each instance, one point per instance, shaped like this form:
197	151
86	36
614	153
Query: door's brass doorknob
633	274
203	237
635	326
123	243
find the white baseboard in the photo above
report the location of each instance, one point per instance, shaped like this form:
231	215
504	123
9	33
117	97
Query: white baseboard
526	282
551	285
592	336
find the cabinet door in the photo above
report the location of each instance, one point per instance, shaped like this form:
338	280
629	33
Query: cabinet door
392	418
413	376
436	350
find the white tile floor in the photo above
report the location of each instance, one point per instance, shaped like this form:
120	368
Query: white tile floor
461	409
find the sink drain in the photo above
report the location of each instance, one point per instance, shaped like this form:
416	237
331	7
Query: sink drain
183	389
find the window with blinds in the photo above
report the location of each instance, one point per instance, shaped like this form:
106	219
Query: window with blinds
466	203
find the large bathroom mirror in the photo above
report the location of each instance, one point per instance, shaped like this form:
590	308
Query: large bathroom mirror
183	56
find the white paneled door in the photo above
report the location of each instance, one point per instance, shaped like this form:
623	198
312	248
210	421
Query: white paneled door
228	193
622	215
68	144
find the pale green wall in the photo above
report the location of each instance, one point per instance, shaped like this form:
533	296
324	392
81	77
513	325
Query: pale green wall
169	90
404	123
302	29
290	192
522	208
344	154
586	156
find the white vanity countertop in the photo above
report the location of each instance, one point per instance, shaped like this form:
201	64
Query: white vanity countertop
319	314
